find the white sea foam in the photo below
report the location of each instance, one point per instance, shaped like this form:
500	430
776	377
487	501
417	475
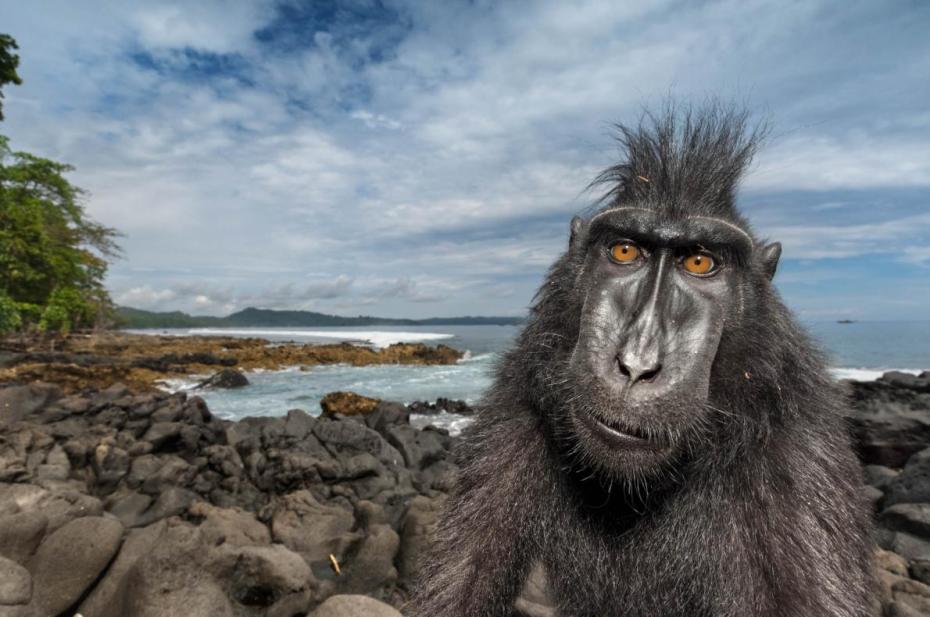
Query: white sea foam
867	374
374	337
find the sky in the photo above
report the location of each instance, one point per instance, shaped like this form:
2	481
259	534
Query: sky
414	159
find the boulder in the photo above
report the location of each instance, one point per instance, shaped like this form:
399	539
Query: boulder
18	402
260	576
347	404
912	518
889	423
912	485
70	559
15	583
20	535
354	606
102	601
172	579
226	378
229	525
313	530
416	534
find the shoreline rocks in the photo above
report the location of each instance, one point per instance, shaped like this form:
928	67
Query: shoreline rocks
139	361
104	491
110	490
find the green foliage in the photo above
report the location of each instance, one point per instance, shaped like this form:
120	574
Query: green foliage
9	61
10	318
51	252
66	307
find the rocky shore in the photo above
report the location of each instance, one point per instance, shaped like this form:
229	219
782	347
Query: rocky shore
116	502
141	361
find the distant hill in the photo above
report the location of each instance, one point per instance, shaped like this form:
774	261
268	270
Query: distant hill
127	317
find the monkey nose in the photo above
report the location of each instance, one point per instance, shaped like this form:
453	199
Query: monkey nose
638	368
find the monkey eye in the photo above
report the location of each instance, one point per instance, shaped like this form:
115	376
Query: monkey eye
699	264
624	252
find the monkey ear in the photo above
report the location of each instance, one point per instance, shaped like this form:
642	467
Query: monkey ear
576	228
770	255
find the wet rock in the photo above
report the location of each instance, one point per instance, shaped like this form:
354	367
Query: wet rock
15	583
70	559
441	405
347	404
354	606
226	378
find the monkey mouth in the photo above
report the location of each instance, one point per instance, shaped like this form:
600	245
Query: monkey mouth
619	435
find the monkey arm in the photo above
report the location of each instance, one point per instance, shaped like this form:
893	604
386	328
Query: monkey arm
485	541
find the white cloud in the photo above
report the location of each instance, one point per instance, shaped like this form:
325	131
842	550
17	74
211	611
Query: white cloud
446	170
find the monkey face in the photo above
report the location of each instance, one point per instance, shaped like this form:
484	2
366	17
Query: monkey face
658	295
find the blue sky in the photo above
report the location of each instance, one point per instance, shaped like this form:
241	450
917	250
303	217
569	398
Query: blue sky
424	158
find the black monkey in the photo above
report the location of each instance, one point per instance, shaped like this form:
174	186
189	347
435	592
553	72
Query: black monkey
663	437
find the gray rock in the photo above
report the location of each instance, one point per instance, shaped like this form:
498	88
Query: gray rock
15	583
18	402
172	579
354	606
191	599
70	559
913	518
417	530
172	502
419	448
878	475
313	530
128	507
260	575
163	435
229	525
913	483
226	378
20	534
102	601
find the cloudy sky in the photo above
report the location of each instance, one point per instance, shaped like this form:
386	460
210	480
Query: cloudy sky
424	158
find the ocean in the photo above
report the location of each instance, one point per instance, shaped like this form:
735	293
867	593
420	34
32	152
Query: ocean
860	350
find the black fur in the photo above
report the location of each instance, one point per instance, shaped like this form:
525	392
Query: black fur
761	513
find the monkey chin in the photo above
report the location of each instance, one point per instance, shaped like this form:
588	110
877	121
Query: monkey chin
620	451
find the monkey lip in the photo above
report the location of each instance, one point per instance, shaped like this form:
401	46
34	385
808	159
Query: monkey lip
617	435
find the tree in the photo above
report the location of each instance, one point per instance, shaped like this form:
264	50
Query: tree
53	257
9	61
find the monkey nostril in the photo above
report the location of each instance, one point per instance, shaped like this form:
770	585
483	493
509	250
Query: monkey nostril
623	369
650	374
635	373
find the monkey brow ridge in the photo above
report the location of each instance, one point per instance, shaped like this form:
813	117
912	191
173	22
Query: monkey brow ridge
706	218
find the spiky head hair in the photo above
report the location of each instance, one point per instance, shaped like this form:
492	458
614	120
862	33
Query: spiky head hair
683	160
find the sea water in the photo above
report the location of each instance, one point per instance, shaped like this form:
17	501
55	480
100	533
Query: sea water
861	350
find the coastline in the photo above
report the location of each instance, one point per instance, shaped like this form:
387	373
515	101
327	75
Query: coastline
158	504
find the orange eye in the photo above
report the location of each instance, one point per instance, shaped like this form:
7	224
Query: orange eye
699	263
624	252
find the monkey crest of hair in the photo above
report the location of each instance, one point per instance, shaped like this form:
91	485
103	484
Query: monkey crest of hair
663	438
